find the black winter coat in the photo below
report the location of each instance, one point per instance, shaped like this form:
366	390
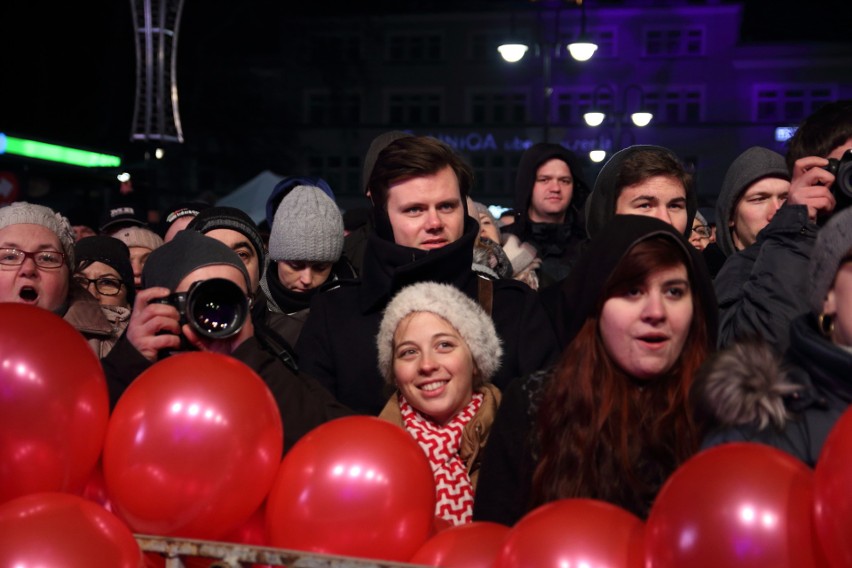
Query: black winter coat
338	341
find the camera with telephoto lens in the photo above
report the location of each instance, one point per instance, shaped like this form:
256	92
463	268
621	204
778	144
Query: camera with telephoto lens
215	308
842	170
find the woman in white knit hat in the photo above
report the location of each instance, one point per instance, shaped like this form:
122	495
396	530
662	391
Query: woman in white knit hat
439	350
36	261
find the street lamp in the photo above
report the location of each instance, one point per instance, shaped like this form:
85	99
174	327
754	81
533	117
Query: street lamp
603	99
583	48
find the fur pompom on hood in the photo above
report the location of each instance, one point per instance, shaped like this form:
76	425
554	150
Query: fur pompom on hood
744	384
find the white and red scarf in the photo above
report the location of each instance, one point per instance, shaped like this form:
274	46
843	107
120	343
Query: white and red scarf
454	491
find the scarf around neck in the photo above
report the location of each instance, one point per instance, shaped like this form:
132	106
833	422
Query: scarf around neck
453	489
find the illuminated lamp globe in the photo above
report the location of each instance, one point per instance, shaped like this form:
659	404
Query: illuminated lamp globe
594	118
582	50
597	155
641	118
512	52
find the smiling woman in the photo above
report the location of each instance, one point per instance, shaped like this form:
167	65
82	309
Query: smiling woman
439	350
611	420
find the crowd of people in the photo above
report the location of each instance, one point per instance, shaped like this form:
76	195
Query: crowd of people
584	346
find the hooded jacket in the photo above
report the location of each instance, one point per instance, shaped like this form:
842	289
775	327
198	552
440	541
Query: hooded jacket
749	394
337	344
558	245
752	165
506	478
600	207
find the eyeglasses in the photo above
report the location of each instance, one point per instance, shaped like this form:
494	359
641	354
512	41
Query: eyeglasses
703	231
104	285
42	258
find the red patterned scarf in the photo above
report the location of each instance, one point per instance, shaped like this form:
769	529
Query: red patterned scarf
442	443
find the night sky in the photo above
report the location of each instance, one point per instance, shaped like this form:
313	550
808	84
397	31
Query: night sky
68	68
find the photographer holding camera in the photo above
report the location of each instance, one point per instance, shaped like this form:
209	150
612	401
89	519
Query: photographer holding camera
762	286
195	297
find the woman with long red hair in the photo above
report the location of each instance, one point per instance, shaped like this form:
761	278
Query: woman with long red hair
611	420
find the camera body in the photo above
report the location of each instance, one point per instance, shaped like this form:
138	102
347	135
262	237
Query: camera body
215	308
842	170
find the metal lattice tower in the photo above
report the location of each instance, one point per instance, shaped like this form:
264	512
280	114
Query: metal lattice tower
155	112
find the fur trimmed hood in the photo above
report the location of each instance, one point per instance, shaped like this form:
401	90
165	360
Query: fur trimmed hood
745	384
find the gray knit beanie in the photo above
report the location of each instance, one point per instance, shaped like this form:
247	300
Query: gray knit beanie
23	213
464	314
752	165
307	226
833	241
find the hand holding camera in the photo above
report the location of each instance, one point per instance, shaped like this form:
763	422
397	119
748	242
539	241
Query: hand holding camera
811	186
213	315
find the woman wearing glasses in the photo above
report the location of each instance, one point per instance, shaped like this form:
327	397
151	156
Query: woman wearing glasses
36	260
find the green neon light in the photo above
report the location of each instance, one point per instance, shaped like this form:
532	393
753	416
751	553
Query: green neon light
62	154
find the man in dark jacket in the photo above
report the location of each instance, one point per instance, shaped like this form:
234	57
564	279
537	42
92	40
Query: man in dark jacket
762	288
156	329
422	232
550	192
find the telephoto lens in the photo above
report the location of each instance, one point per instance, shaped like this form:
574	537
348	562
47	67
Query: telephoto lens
216	308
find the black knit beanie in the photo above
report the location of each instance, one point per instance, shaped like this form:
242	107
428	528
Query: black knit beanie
188	251
111	252
230	218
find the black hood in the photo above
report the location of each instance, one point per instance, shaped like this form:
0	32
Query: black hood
530	161
580	293
600	207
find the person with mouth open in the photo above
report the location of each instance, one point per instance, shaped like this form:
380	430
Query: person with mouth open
612	420
439	350
36	260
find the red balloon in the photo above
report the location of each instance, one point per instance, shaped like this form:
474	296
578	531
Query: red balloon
574	532
356	486
96	491
832	494
57	529
474	545
737	505
53	404
192	447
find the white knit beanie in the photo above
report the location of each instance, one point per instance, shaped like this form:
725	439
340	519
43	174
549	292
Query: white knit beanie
23	213
307	226
464	314
833	241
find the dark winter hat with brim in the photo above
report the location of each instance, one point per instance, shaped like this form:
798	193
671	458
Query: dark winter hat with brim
833	244
188	251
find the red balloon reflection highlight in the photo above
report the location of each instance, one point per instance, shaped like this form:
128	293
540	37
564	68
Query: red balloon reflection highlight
474	545
356	486
53	404
192	447
575	533
57	529
736	505
833	493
